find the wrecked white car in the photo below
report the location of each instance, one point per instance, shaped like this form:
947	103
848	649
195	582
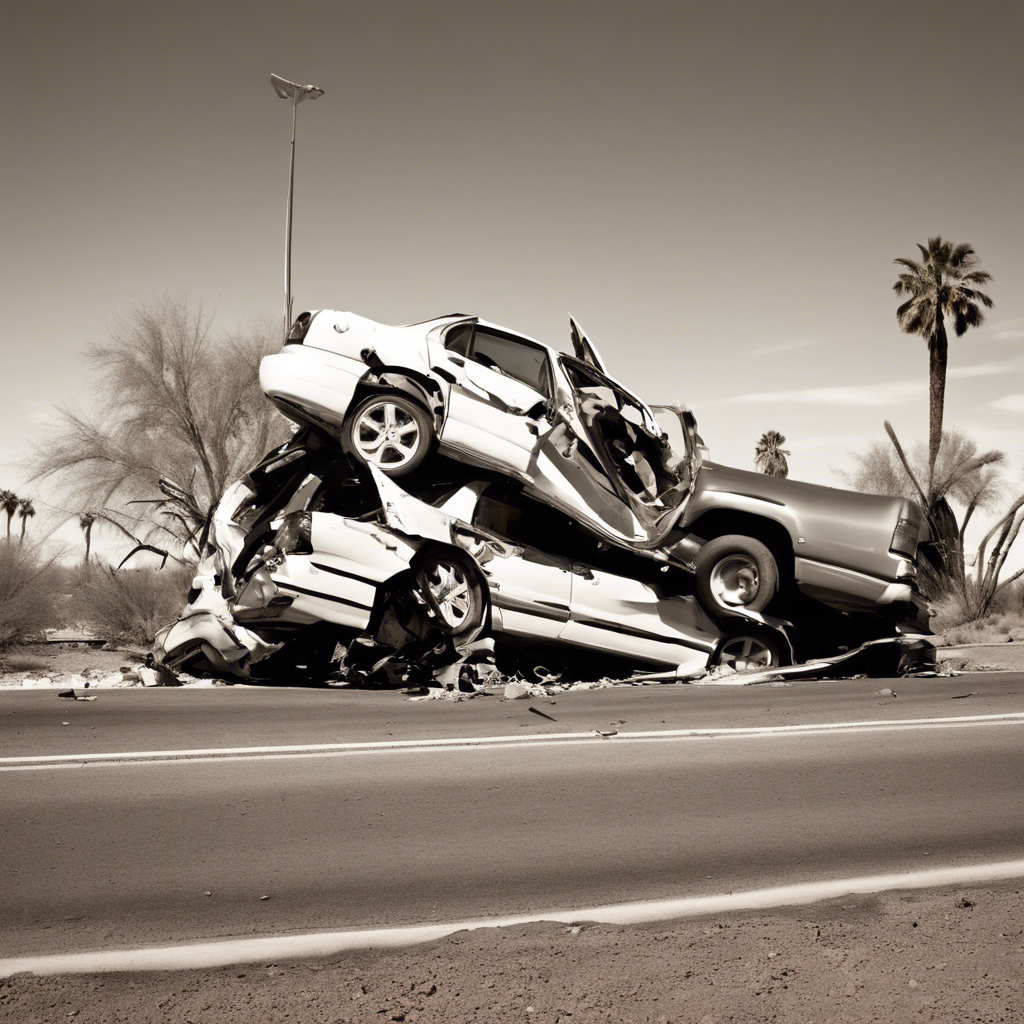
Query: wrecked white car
304	559
574	438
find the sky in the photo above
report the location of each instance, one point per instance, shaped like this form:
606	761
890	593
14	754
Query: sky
716	191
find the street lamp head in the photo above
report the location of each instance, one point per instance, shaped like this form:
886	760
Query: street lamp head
292	91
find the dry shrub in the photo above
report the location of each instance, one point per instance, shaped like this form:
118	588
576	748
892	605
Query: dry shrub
130	605
27	593
1004	620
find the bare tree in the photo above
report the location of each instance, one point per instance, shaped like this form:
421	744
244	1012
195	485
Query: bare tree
180	416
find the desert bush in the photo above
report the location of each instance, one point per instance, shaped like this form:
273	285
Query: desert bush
179	416
130	605
1004	621
27	594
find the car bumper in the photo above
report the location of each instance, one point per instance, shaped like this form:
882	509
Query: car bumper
321	383
849	590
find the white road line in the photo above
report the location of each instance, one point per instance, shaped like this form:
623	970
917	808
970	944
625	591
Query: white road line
280	947
35	762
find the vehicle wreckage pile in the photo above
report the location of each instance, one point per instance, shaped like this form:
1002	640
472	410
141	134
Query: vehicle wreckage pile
459	502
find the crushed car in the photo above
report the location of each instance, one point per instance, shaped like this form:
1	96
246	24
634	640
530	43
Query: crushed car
577	440
452	480
307	556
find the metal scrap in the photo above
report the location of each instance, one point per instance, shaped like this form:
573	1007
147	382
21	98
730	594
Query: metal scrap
542	714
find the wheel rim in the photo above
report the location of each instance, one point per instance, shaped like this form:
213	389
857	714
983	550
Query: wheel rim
735	581
386	435
744	652
449	588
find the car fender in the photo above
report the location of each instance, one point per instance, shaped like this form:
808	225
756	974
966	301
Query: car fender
409	515
233	646
706	500
420	387
769	623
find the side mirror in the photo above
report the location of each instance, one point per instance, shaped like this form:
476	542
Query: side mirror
541	410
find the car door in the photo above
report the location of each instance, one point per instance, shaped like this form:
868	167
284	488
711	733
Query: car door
626	616
530	589
497	380
572	470
583	347
622	448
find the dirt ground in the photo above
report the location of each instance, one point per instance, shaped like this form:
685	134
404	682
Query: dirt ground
949	955
62	659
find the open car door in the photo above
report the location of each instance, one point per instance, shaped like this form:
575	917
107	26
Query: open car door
622	453
581	345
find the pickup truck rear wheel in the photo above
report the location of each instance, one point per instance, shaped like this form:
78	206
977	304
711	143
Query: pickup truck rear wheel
390	432
736	574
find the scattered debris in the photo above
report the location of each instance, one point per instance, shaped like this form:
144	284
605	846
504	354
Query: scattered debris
965	903
74	696
887	692
541	713
516	691
605	733
962	696
545	677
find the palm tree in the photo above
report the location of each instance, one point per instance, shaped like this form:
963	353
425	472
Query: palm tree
941	286
9	502
26	510
85	521
770	456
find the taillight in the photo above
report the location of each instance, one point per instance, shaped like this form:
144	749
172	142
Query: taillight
295	534
904	538
299	329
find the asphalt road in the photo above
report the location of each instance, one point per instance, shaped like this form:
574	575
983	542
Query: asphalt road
122	851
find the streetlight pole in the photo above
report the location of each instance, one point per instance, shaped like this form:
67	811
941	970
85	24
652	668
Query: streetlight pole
296	93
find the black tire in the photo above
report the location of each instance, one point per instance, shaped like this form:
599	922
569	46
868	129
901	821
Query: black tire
736	574
752	649
454	591
391	432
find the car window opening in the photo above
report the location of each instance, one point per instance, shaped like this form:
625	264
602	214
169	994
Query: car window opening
459	338
513	357
648	466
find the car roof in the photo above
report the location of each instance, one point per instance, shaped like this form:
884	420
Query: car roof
500	328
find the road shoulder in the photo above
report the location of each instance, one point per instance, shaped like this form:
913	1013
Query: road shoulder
951	954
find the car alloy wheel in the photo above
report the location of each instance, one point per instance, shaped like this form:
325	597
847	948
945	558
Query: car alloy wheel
449	588
454	593
392	433
746	652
